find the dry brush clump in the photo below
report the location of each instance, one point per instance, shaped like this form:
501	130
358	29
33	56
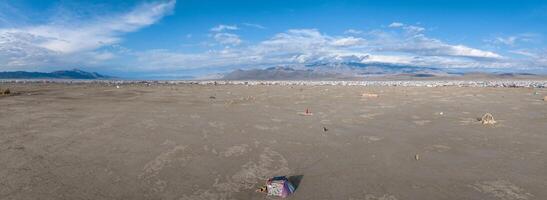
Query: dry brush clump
5	91
487	119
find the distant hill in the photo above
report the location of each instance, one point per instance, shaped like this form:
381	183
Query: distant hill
63	74
368	71
332	71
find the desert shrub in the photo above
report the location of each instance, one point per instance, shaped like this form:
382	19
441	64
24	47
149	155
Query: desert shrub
488	119
5	91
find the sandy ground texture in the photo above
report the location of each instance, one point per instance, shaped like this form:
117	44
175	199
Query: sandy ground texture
221	142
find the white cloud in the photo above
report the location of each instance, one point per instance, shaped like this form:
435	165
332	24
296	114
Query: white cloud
102	56
297	38
292	46
422	45
396	25
254	25
507	41
353	32
408	28
19	50
524	52
414	29
514	39
100	32
305	46
227	38
347	41
413	40
223	27
461	50
52	43
536	57
87	43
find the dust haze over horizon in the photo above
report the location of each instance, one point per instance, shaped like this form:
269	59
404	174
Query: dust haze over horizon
203	38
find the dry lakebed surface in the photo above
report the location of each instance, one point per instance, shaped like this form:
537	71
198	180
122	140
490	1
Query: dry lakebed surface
188	141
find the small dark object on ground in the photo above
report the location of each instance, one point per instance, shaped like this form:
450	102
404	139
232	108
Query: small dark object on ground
212	97
6	92
307	113
325	129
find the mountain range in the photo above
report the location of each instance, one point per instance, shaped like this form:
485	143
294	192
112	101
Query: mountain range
62	74
345	70
315	71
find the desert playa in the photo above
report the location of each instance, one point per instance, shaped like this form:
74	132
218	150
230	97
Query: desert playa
193	142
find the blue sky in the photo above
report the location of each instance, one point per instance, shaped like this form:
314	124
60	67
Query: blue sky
199	38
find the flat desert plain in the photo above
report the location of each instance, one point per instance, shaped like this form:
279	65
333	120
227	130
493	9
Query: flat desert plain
95	141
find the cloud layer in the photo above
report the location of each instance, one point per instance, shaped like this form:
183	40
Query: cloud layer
97	42
401	44
56	43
